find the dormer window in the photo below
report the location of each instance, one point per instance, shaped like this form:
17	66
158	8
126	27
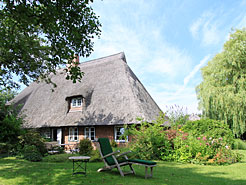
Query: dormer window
76	102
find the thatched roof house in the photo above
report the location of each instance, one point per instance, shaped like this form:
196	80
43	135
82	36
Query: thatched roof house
109	95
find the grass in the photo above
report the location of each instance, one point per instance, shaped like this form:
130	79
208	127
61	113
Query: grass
17	171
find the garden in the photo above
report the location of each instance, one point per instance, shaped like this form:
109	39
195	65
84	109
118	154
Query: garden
204	151
190	152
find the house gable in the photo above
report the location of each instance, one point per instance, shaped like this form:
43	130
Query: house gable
111	95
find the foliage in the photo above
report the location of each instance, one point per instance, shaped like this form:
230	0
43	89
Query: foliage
239	144
85	147
31	153
177	115
95	156
221	94
209	127
203	150
32	138
113	143
10	123
148	140
203	141
36	37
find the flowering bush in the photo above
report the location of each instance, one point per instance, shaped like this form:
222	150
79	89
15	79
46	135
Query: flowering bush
149	140
211	128
203	150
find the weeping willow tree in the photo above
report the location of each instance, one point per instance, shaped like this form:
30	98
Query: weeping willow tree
222	93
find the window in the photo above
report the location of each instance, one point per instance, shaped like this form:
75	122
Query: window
90	133
118	132
73	134
76	102
46	133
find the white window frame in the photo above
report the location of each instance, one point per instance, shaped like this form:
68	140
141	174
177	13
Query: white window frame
116	132
73	133
76	101
90	133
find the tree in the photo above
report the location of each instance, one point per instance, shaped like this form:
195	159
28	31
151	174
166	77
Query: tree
221	94
10	123
36	37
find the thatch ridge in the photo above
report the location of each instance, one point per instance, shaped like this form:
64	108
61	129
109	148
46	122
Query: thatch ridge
112	95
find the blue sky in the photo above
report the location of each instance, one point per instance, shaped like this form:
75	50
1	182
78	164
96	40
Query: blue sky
167	42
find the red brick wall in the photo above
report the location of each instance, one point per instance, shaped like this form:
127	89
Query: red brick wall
101	131
105	131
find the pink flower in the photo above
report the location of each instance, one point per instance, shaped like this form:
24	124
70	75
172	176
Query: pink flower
204	138
200	144
207	144
227	147
186	146
220	138
198	138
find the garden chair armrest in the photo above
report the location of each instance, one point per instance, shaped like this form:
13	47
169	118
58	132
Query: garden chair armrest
124	153
111	154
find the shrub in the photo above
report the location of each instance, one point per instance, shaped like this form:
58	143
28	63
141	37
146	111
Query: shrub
3	148
113	143
95	156
149	140
85	147
32	137
203	150
211	128
31	153
239	144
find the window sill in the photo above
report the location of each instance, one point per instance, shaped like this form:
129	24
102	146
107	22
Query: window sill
75	111
121	141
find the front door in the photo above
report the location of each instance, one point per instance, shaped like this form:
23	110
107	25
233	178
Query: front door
59	135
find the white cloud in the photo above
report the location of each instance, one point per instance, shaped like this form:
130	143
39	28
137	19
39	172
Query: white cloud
206	29
196	69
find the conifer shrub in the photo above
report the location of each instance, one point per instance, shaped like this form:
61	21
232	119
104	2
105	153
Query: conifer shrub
85	147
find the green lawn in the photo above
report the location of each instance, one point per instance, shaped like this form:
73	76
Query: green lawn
16	171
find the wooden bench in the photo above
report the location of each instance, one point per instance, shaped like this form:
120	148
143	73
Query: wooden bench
147	164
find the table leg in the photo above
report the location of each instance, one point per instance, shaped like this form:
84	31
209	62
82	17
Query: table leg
78	165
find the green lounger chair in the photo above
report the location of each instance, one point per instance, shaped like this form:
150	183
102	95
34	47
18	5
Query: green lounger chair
111	159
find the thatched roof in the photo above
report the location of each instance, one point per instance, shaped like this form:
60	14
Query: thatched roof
113	95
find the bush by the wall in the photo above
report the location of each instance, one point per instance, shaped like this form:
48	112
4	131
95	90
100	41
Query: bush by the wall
85	147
